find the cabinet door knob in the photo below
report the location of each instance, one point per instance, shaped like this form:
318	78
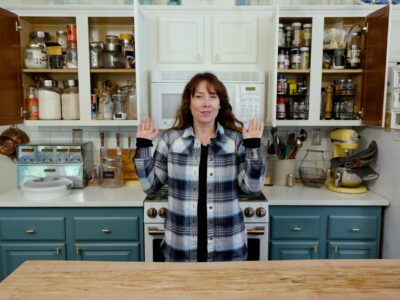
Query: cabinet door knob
78	250
106	230
297	228
335	248
58	250
31	231
355	229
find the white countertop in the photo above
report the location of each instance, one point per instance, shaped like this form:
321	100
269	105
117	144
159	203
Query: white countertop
303	195
134	197
88	197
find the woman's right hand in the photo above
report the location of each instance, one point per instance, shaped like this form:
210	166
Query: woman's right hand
146	130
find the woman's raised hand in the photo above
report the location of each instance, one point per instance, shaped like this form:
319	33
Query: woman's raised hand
255	129
146	130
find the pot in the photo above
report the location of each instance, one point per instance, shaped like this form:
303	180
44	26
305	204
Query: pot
7	145
10	138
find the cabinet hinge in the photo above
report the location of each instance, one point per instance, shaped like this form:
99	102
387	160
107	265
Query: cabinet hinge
23	112
17	26
365	28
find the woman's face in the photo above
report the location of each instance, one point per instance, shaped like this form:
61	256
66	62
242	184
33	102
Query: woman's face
204	104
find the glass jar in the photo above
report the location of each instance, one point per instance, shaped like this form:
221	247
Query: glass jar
287	59
113	39
113	58
281	36
296	42
304	58
295	58
35	54
288	36
32	104
350	87
111	173
354	51
70	100
346	108
96	55
128	49
72	55
61	39
306	42
343	86
281	59
120	104
131	100
49	100
338	59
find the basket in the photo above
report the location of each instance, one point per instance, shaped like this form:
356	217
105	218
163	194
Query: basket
312	176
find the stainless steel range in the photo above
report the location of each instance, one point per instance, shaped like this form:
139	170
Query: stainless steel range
255	212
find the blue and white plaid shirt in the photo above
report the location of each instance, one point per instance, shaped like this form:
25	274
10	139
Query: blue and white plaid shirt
230	166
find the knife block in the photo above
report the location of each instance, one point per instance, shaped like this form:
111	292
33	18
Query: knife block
128	168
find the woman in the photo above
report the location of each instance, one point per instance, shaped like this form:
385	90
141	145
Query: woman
205	158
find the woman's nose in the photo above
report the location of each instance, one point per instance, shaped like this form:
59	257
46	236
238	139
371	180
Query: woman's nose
206	101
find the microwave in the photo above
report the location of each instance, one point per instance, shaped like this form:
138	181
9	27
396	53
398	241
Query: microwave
246	91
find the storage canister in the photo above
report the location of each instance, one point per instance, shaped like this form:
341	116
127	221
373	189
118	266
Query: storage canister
295	58
96	53
111	173
113	58
72	55
304	58
128	49
35	54
296	34
49	100
70	100
306	35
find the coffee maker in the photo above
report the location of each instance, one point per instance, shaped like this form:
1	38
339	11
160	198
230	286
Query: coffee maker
341	178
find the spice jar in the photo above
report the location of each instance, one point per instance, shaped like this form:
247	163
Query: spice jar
128	49
306	35
72	55
111	173
32	104
120	104
70	100
113	58
304	58
281	59
295	58
296	42
281	36
282	85
35	54
96	53
288	36
281	109
49	100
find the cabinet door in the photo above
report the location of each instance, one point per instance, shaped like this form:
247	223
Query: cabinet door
181	39
234	39
352	250
294	250
11	97
107	251
12	255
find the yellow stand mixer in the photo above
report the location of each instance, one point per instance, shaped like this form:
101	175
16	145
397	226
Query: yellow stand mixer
343	180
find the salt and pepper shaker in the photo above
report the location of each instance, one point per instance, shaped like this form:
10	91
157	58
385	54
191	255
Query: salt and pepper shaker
290	179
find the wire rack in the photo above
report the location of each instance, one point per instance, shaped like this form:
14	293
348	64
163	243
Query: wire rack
312	176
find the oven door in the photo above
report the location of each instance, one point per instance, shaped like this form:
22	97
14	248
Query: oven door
257	241
153	236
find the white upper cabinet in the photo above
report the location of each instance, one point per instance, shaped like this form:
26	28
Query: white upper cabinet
181	39
234	39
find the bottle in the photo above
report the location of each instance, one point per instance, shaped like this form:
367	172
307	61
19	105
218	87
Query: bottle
281	109
306	35
295	58
72	55
108	108
304	58
32	104
354	51
290	180
128	49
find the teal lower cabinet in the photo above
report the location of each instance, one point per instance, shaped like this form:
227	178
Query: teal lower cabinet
102	234
321	232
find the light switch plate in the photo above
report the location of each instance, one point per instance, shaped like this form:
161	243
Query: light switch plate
316	136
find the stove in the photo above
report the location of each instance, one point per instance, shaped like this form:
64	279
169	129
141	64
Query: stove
255	213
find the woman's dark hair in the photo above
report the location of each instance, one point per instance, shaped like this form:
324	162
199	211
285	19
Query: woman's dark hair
225	117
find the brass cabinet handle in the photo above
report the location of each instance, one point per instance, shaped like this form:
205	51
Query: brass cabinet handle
297	228
258	230
78	250
335	248
155	231
315	248
106	230
58	250
355	229
31	231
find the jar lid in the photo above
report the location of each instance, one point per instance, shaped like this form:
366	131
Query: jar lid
349	80
281	100
109	159
32	100
126	36
61	32
70	83
296	24
288	28
96	44
307	26
304	49
294	50
49	83
280	25
39	35
113	47
111	37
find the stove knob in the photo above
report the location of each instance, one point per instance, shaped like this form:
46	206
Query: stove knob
249	212
162	212
152	212
261	212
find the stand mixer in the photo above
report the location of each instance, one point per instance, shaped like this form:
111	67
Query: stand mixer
340	178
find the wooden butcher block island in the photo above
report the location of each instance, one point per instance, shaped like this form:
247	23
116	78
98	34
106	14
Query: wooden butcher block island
332	279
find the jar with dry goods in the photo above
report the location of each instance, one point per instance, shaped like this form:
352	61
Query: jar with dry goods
49	100
113	58
70	100
111	173
295	58
96	55
296	42
304	58
306	35
35	54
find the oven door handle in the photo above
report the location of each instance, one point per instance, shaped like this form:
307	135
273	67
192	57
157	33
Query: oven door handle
155	231
258	230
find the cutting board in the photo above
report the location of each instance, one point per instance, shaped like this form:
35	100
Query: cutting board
128	168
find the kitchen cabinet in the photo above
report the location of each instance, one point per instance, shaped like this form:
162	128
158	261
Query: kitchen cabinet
102	234
320	232
92	25
369	82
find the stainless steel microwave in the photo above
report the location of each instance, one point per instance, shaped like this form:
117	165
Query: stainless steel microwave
246	91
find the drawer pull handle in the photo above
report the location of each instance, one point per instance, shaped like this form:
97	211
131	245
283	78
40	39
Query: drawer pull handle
335	248
30	231
315	249
258	230
297	228
355	229
78	250
58	250
155	231
106	230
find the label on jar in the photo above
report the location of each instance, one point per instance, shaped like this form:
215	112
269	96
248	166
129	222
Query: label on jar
281	61
354	56
108	174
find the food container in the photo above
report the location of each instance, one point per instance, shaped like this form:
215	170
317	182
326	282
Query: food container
49	100
35	54
46	188
111	173
70	100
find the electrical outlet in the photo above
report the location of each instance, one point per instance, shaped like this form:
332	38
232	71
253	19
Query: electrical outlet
396	135
316	136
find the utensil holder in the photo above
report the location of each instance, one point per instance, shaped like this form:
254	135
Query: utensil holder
280	170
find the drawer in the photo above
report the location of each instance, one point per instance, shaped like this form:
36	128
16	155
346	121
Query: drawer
106	228
295	227
32	229
352	227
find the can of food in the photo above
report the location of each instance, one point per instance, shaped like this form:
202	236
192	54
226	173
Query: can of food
93	101
71	33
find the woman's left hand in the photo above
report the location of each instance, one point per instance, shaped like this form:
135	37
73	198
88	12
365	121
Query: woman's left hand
255	129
